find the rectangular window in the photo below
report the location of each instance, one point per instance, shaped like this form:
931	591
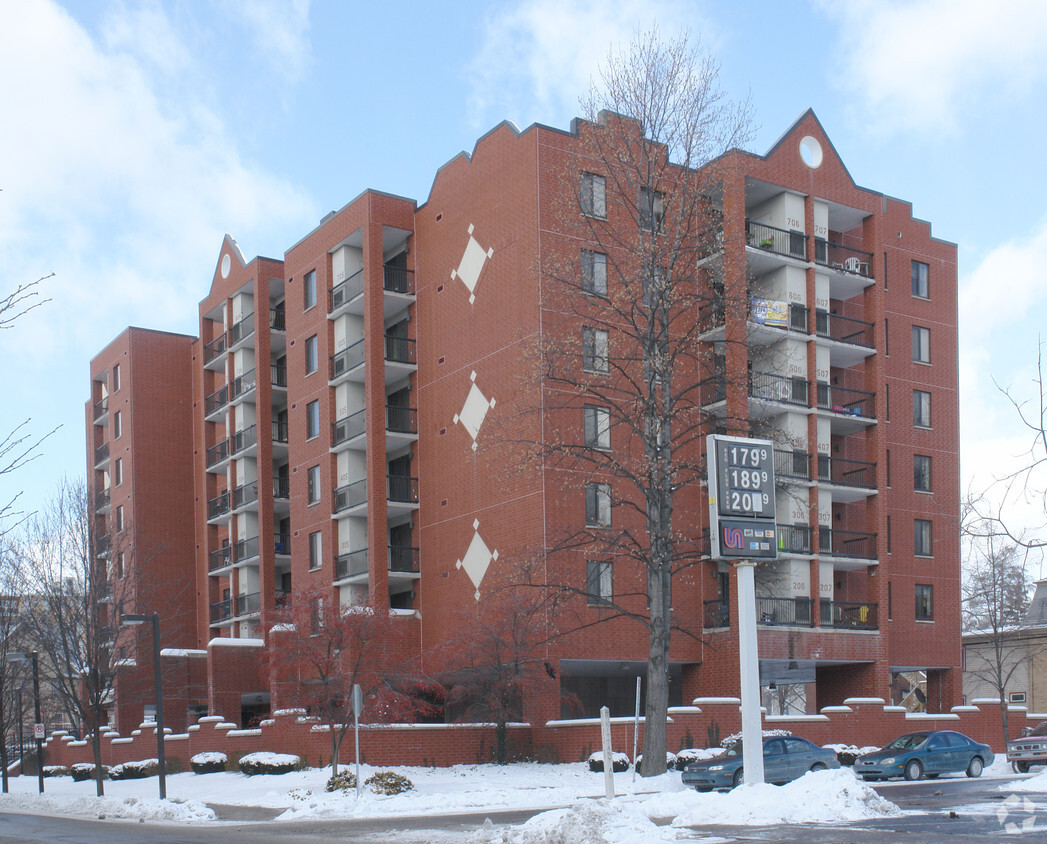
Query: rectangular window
599	585
594	272
120	564
886	338
118	425
593	195
317	615
1016	697
921	344
887	467
890	602
921	473
312	358
120	518
652	209
919	280
921	409
598	505
309	290
887	402
924	602
922	540
314	484
316	549
116	377
595	343
118	471
888	534
312	419
597	427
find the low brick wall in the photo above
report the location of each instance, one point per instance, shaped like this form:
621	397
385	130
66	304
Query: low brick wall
860	721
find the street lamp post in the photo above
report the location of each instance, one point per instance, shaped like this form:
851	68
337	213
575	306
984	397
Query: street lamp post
38	726
21	731
130	619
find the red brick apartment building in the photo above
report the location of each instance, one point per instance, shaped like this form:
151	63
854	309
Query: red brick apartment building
349	418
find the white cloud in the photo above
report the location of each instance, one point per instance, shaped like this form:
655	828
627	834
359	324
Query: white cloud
539	56
924	64
280	28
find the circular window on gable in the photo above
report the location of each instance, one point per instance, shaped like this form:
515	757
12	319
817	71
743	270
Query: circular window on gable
226	265
811	152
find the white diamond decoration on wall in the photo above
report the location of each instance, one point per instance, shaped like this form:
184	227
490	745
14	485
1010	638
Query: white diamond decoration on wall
474	411
472	264
477	559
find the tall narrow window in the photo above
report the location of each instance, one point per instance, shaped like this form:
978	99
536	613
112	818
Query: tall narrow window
921	470
118	425
119	518
921	409
309	290
316	548
594	272
118	471
922	539
652	209
597	427
890	602
921	344
887	467
314	484
599	585
886	338
888	534
598	505
919	280
312	420
116	377
594	350
312	357
593	195
924	602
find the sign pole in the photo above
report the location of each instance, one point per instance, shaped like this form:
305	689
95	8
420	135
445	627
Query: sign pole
749	667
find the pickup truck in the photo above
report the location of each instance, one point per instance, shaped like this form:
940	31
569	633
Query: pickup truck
1029	750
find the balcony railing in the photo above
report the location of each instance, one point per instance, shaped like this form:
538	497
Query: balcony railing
716	614
402	420
221	611
350	495
840	257
399	349
243	384
215	348
217	453
837	470
279	432
220	558
853	615
795	612
276	319
794	539
347	359
847	543
218	506
780	241
244	495
277	375
403	489
281	489
282	544
350	565
846	401
399	280
241	330
346	291
101	453
101	499
103	544
245	549
792	465
856	332
248	604
403	558
216	401
242	440
101	408
348	428
778	388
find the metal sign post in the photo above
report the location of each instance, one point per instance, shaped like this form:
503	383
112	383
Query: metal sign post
358	705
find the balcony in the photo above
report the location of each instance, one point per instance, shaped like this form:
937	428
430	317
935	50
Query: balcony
403	558
101	411
768	247
349	432
243	440
103	545
281	489
795	539
791	612
351	496
278	375
851	409
217	454
244	496
245	550
216	401
347	296
716	614
214	351
348	363
352	564
220	558
218	506
770	391
276	319
282	544
399	280
240	331
102	456
792	466
853	338
857	477
102	500
850	545
241	386
279	432
221	611
401	426
849	615
399	350
345	292
842	258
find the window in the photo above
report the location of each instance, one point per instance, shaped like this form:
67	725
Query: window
919	280
598	505
118	425
309	290
886	338
597	427
312	420
652	209
598	582
118	471
1016	697
887	467
317	615
594	272
316	548
594	350
887	402
888	534
314	484
593	195
924	602
890	602
922	545
921	409
119	518
120	564
921	344
921	473
116	377
312	359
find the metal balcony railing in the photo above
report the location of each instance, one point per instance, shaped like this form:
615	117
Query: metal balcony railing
840	257
218	506
853	615
216	401
399	280
795	612
350	565
837	470
403	558
241	385
780	389
847	543
402	420
103	544
399	349
282	544
716	614
350	495
792	465
244	495
220	558
101	499
846	401
281	489
346	291
101	408
279	432
856	332
347	359
101	453
794	539
245	549
276	319
403	489
773	239
277	375
215	348
348	428
242	440
248	604
221	611
217	453
241	330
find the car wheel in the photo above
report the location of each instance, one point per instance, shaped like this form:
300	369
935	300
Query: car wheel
738	777
913	770
817	766
1021	767
975	768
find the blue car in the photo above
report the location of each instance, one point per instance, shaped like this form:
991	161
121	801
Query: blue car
785	758
926	753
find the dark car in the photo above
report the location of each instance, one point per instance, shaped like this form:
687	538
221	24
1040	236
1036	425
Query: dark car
785	758
928	752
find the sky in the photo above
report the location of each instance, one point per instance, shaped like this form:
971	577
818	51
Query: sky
135	135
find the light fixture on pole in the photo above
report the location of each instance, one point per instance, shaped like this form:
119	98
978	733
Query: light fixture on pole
129	619
38	725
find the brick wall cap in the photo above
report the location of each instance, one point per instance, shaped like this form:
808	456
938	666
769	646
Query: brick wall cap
825	709
60	733
588	722
864	701
77	744
123	740
284	713
967	708
228	642
894	708
985	701
268	722
211	719
225	726
125	663
244	732
684	710
182	652
931	716
800	718
733	701
179	737
192	728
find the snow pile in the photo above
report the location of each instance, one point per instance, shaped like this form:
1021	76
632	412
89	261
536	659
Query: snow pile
1037	782
591	822
132	807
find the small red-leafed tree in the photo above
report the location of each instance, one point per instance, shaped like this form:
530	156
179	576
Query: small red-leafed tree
321	649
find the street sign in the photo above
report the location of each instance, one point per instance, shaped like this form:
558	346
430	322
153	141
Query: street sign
741	498
358	700
39	732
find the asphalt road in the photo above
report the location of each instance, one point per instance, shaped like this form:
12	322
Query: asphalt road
956	810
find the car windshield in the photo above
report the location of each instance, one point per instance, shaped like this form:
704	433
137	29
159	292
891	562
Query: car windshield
734	749
907	742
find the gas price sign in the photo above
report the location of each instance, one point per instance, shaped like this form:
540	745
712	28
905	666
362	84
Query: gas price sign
741	497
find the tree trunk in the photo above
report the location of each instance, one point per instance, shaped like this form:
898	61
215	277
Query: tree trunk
657	708
96	749
336	741
3	760
501	731
1003	719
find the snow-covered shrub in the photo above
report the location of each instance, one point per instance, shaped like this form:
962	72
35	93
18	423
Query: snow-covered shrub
736	737
388	782
269	763
56	771
344	781
670	761
208	763
135	770
690	755
83	771
619	762
845	753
